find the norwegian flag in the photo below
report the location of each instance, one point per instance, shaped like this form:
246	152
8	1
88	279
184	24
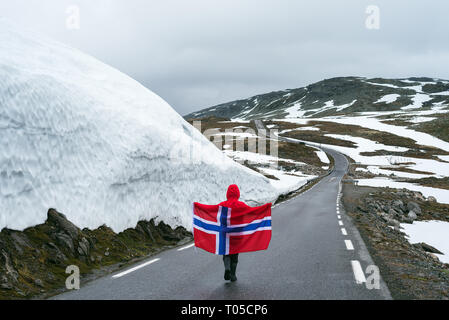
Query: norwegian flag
223	230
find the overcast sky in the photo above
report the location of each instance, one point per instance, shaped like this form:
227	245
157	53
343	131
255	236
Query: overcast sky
198	53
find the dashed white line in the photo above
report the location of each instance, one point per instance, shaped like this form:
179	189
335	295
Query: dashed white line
343	231
340	222
358	272
349	245
186	247
121	274
338	217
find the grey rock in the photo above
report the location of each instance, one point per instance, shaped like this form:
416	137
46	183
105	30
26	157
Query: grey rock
5	260
60	221
433	256
428	248
393	222
66	241
56	255
39	283
392	212
413	206
83	247
50	276
407	220
6	286
419	196
398	205
20	293
20	240
431	199
412	215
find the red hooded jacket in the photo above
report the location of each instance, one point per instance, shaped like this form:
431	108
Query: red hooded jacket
233	195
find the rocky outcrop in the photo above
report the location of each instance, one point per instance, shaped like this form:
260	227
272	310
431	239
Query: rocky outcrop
411	271
427	248
33	261
394	212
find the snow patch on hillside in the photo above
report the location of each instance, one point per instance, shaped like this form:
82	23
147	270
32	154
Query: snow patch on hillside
389	98
323	157
442	195
375	124
418	100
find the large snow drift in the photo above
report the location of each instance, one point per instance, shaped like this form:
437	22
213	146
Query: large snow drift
84	138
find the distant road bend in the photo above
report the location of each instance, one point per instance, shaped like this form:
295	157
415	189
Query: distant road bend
315	253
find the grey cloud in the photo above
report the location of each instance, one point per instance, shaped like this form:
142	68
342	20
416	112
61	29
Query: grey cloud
199	53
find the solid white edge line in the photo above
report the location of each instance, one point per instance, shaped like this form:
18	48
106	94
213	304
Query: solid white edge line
358	272
121	274
349	245
186	247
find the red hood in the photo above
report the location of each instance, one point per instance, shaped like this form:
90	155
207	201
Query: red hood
233	192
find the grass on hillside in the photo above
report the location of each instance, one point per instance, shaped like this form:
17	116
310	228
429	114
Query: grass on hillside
386	138
286	150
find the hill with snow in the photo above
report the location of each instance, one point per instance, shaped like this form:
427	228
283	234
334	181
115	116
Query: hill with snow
337	97
80	136
394	130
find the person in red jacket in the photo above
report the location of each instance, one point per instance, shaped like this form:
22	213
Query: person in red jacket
230	261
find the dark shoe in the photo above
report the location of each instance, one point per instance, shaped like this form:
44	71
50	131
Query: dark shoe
227	275
233	269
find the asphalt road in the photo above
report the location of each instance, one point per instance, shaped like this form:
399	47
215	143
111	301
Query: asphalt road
314	253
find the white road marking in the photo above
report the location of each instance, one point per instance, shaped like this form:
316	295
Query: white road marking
358	272
338	217
343	231
121	274
340	222
186	247
349	245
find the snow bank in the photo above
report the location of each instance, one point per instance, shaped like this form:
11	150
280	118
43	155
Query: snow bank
79	136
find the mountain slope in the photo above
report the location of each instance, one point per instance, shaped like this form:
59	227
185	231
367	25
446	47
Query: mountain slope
392	129
84	138
337	96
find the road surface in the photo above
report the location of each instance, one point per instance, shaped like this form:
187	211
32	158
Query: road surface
315	253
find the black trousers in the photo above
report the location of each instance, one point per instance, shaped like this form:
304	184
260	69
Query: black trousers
230	261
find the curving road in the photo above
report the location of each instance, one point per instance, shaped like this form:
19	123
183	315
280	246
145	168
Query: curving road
315	253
